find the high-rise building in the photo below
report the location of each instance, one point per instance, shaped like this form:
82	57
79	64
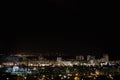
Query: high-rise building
80	57
59	59
88	57
106	57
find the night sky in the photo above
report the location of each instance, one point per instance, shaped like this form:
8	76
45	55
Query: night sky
67	42
51	27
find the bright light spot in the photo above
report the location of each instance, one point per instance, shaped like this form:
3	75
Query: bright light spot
31	64
43	76
60	75
68	77
65	76
7	78
97	72
76	74
76	78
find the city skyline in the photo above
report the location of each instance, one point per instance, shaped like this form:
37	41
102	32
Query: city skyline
59	39
28	32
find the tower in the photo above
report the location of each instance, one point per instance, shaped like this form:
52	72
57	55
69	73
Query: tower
106	57
88	57
80	57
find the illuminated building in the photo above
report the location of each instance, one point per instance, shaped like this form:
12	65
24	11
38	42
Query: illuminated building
59	59
88	57
80	58
106	57
15	68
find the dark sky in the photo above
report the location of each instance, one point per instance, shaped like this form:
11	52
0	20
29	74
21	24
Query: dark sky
66	41
30	27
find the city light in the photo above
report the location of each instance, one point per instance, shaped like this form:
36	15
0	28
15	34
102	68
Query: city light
63	69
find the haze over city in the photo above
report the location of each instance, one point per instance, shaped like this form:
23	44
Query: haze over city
67	42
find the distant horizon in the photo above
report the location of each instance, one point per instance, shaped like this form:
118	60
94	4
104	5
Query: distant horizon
63	53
